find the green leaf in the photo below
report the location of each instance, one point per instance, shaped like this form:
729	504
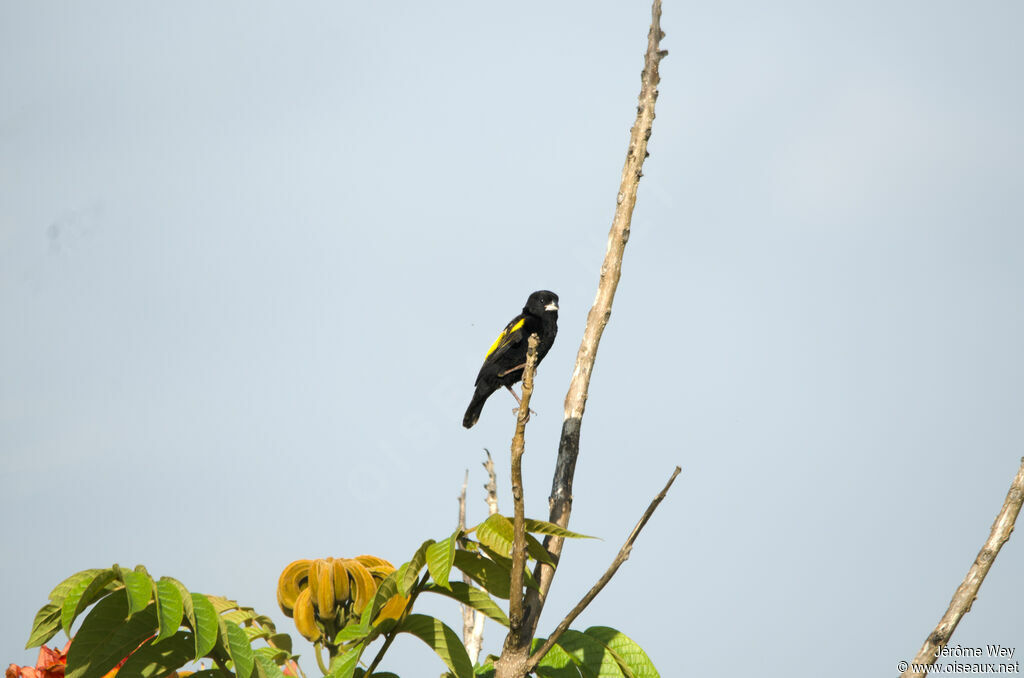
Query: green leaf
61	590
140	590
236	616
409	573
506	565
556	663
238	648
537	550
386	590
264	620
169	608
365	629
352	632
544	527
503	561
445	642
497	533
344	665
206	625
278	656
186	605
107	636
82	595
281	641
472	596
590	655
485	572
44	626
222	604
381	627
253	633
154	660
635	659
440	557
266	667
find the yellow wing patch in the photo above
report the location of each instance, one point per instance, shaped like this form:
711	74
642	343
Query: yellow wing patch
501	337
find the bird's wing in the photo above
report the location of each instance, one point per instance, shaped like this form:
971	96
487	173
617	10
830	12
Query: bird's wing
510	336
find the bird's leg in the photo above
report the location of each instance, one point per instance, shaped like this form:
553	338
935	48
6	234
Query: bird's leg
510	371
518	400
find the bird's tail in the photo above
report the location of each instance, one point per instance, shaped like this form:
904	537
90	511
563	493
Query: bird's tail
476	406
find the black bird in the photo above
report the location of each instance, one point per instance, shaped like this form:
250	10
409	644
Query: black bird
505	360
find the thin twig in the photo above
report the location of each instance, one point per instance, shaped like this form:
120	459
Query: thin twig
600	312
968	589
622	557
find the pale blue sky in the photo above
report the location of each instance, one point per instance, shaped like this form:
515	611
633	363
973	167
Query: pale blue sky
251	255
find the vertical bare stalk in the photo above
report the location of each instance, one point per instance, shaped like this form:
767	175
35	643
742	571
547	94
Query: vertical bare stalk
968	589
473	620
472	637
560	501
462	501
491	486
515	637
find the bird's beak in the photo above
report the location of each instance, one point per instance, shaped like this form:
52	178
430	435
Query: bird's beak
551	307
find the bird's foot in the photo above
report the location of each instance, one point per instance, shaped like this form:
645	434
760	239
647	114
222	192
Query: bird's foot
515	411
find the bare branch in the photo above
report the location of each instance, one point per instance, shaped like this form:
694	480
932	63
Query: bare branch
473	620
576	398
491	486
968	589
462	501
476	636
622	557
515	605
516	637
469	638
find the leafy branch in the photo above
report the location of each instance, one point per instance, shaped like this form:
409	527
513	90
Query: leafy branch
151	627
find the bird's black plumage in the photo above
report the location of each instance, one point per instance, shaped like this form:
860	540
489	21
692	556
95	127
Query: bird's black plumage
504	362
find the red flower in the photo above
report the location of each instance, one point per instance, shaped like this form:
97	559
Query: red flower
50	664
